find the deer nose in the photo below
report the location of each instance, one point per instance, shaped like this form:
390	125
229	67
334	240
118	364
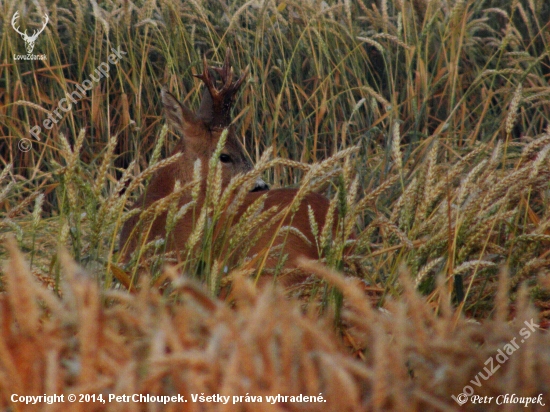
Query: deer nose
260	185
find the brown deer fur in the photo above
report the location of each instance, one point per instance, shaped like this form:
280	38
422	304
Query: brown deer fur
200	135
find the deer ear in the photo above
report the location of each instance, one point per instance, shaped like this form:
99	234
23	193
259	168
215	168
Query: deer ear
179	116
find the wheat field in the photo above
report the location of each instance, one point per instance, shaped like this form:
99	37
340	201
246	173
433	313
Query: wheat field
424	122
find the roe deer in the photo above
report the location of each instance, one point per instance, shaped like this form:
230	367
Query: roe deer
201	132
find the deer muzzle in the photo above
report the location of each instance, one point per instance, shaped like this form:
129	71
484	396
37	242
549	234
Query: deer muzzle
260	185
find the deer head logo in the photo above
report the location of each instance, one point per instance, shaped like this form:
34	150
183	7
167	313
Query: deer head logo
29	40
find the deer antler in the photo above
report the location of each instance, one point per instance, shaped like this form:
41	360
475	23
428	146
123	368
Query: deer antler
13	21
35	34
215	108
25	35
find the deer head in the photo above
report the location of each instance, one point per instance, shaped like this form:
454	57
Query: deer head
29	40
201	131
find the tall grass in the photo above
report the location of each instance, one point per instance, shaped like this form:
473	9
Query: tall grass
445	102
409	357
426	124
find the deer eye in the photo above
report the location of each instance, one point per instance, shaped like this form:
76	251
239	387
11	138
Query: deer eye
225	158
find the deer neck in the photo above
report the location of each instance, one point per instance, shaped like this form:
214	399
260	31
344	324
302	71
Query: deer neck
164	180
